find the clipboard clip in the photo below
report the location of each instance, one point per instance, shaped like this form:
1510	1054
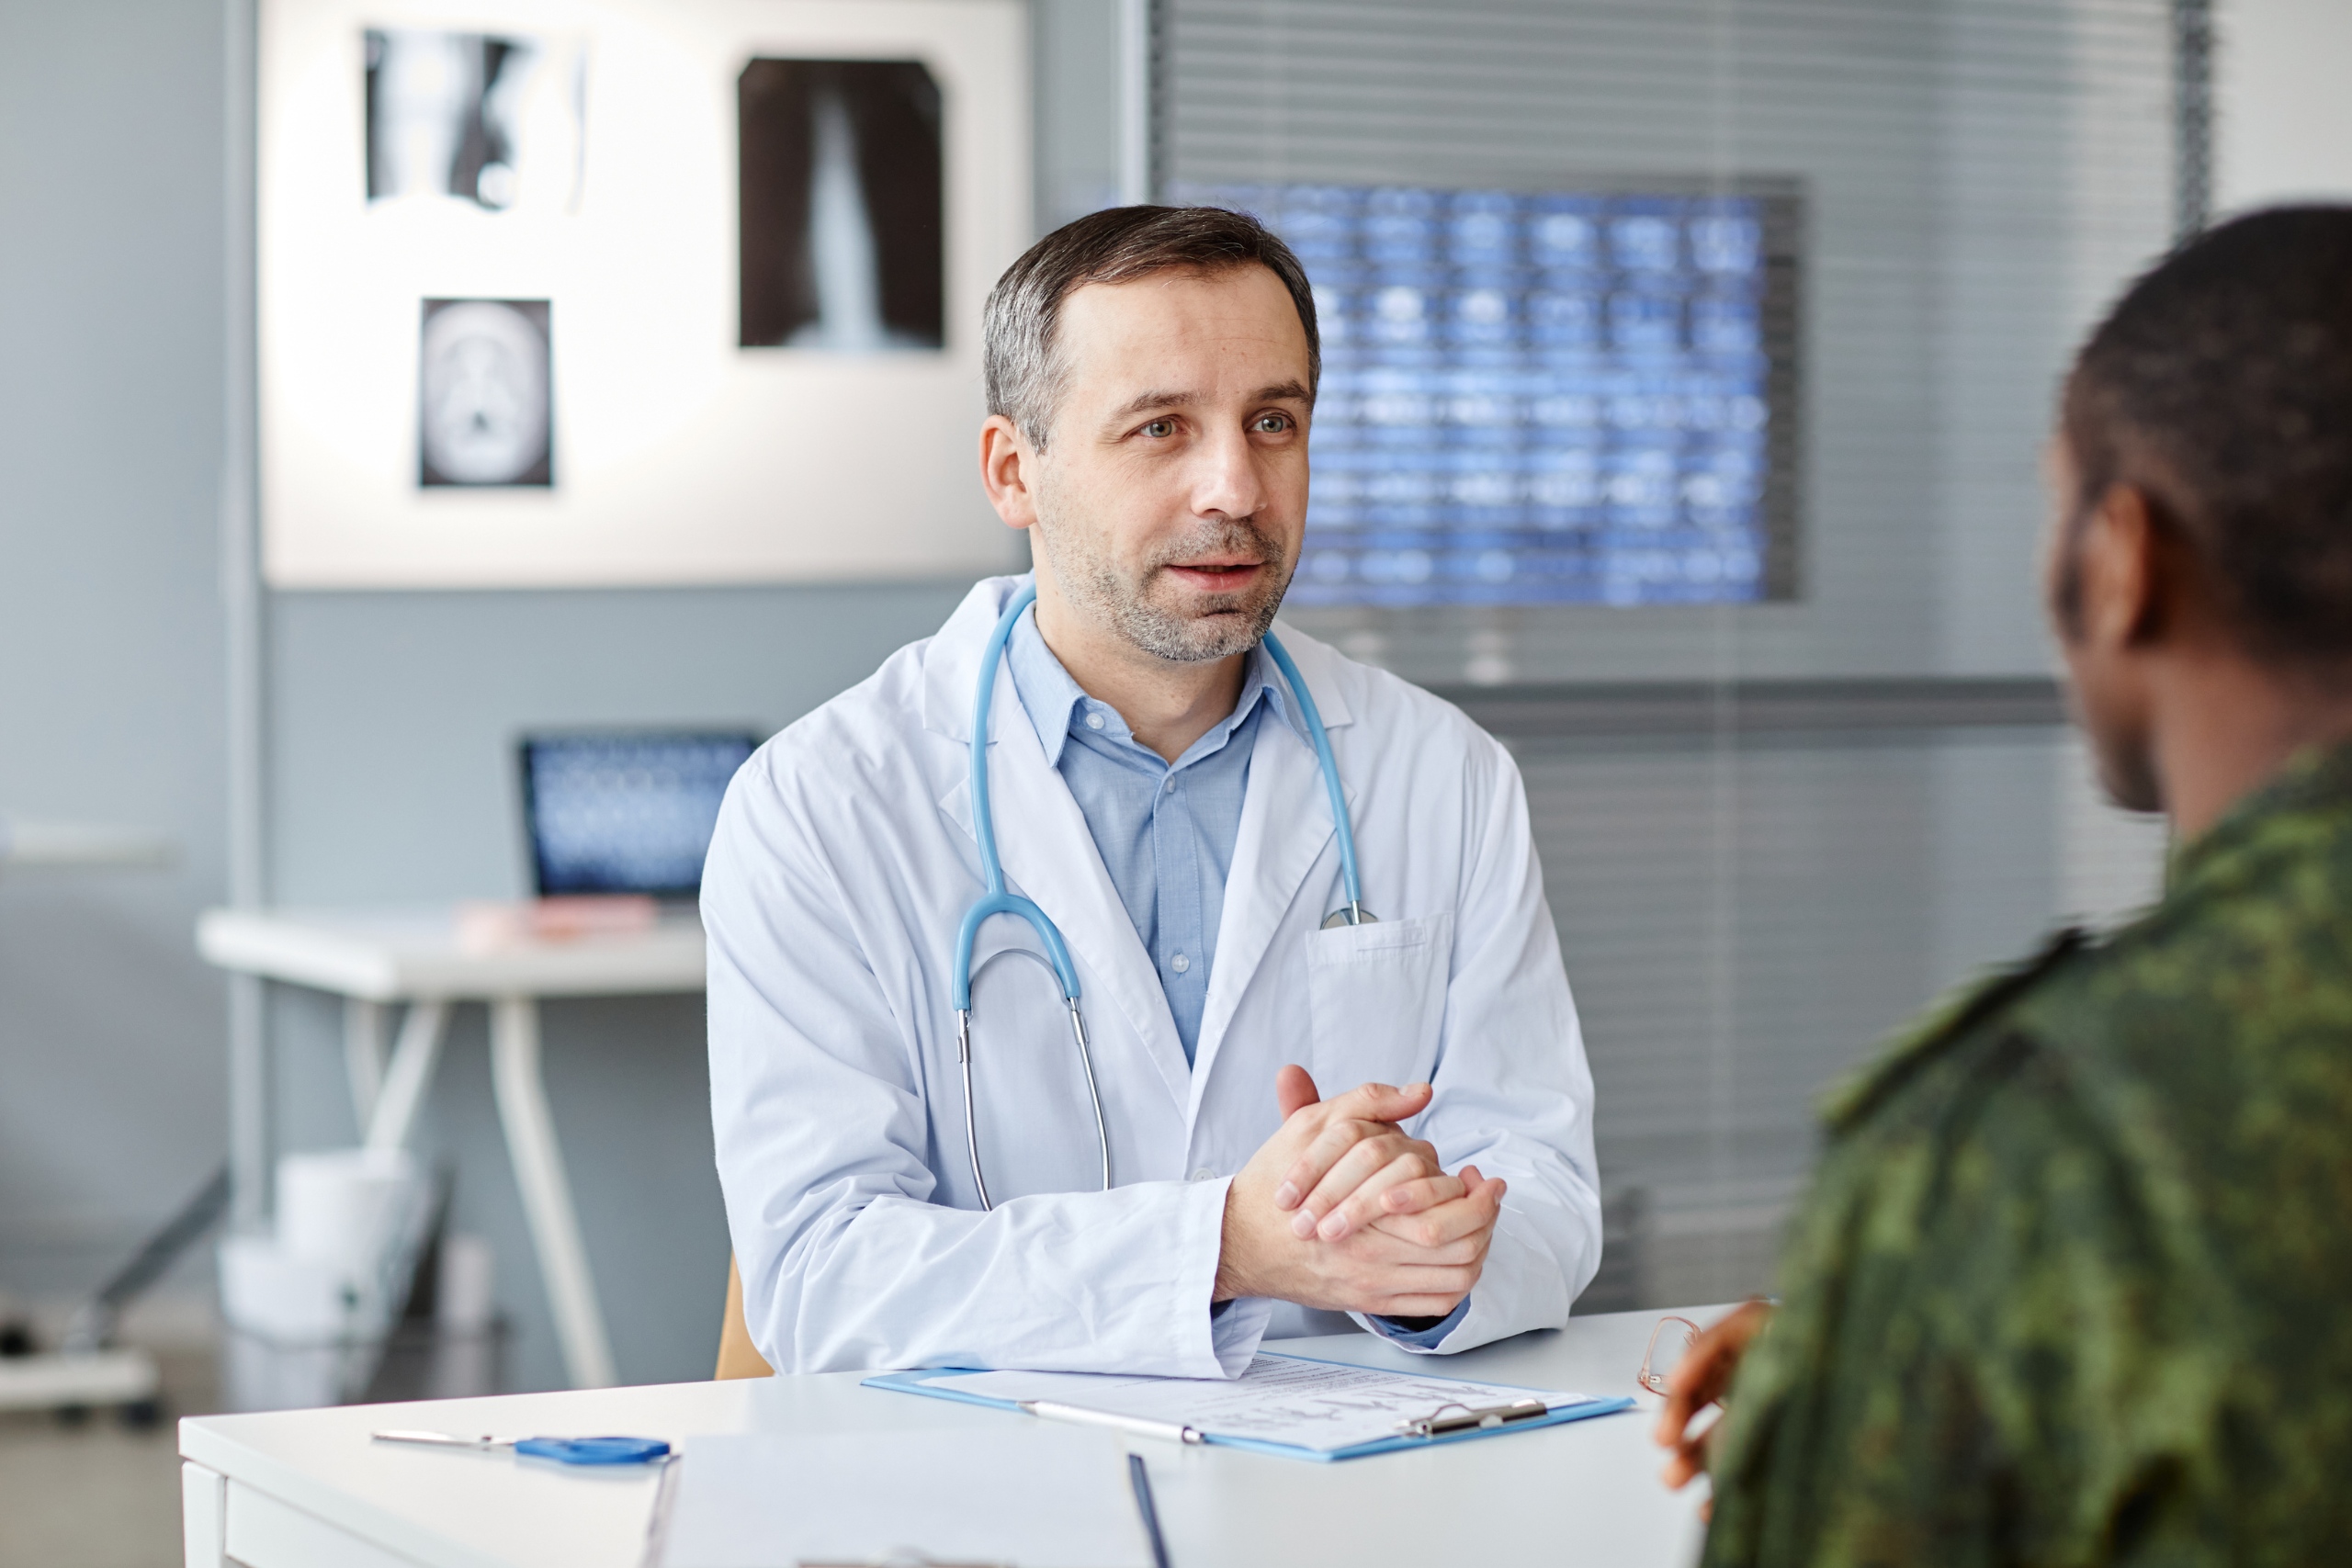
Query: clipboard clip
1471	1418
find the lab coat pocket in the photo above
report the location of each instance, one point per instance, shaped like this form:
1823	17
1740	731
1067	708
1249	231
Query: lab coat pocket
1377	997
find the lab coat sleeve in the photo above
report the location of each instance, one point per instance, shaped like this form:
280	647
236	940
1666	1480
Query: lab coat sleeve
820	1137
1513	1091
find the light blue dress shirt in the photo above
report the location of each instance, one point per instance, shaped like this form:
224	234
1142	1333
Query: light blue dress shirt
1166	831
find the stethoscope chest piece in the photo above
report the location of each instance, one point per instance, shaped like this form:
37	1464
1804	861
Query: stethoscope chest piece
1350	915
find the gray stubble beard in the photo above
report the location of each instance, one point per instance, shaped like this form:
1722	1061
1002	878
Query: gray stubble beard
1233	622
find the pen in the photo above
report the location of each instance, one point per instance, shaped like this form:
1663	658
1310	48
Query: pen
1136	1426
1142	1478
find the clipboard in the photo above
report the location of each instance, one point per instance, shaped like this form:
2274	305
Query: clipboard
1452	1421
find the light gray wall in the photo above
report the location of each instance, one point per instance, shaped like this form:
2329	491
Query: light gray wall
110	627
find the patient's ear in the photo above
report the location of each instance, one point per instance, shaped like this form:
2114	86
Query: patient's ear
2119	560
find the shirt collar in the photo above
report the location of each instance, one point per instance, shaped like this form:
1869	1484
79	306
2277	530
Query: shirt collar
1056	702
2317	779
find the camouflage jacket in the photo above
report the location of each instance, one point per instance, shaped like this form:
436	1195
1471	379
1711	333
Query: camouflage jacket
2073	1283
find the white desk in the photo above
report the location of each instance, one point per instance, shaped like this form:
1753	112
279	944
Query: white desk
307	1487
374	959
81	845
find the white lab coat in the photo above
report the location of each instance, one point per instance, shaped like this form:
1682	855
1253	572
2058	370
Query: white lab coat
843	861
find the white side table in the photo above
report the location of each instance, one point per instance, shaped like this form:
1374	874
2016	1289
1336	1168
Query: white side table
375	959
81	845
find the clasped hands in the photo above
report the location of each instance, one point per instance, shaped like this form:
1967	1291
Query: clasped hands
1341	1210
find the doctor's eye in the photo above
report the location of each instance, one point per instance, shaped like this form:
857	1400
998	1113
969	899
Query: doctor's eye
1159	429
1274	423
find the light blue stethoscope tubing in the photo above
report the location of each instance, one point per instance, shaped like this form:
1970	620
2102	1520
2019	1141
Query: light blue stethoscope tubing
996	900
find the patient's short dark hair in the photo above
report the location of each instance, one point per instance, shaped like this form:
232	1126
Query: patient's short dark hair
1019	359
2222	387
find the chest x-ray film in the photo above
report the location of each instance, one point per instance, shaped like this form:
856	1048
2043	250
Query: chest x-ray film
625	812
841	203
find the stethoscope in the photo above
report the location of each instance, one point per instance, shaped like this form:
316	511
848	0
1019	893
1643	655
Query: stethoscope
997	901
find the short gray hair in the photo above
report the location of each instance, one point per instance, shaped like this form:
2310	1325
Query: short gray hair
1024	375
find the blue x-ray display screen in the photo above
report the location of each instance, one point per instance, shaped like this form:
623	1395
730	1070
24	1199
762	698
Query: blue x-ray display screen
1534	398
626	812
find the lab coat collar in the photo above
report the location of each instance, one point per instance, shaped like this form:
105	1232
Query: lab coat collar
1054	700
1287	830
951	668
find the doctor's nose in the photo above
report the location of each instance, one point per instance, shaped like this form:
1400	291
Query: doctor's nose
1226	483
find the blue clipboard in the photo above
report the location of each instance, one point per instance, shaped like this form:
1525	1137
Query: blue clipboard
938	1383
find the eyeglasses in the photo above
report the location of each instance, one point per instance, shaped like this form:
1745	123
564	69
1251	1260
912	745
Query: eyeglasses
1670	1342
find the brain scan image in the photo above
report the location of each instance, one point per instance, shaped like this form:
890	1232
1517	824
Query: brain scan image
483	395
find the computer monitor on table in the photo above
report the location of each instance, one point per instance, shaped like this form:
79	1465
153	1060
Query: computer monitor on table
625	811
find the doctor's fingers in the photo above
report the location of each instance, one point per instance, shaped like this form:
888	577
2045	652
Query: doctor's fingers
1422	1292
1342	1158
1377	1103
1315	1182
1413	1174
1471	1215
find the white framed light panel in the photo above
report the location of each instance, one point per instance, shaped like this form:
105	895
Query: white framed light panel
669	452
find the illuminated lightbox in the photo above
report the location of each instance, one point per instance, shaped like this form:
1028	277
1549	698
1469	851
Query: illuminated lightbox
1555	398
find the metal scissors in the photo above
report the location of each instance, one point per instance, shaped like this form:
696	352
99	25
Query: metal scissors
563	1450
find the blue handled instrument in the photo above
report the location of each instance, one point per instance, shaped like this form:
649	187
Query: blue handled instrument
563	1450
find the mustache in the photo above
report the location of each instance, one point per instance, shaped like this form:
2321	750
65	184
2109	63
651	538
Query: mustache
1238	536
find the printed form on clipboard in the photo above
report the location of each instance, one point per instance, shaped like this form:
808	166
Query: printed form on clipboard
1280	1405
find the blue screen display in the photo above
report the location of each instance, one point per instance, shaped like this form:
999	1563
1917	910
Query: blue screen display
626	812
1530	399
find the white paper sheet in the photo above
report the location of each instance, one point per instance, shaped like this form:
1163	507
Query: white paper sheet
1036	1496
1279	1399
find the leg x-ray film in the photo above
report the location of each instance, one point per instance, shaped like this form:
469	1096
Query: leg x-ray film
472	116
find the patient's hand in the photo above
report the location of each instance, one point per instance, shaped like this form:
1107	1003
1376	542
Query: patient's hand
1699	1381
1341	1210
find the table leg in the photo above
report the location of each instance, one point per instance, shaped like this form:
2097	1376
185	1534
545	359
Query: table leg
547	1194
204	1517
404	1085
363	1054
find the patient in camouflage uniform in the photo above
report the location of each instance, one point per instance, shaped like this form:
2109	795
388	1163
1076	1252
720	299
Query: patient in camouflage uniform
2073	1284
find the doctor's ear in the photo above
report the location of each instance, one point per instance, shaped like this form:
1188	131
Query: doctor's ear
1008	469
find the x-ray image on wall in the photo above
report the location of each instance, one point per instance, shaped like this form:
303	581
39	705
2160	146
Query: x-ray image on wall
842	205
482	394
475	118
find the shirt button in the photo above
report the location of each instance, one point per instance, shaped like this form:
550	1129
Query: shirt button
1094	721
1171	783
1205	1174
1180	964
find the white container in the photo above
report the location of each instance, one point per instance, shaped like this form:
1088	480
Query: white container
268	1291
350	1209
464	1302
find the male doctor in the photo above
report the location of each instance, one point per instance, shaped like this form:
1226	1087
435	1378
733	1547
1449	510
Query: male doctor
1151	374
